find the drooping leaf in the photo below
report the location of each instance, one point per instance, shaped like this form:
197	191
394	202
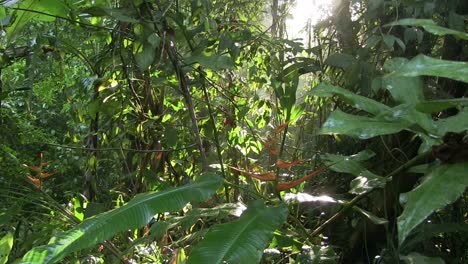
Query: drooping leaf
365	180
240	241
357	101
122	14
50	7
6	244
372	217
441	187
136	213
340	60
362	127
456	123
429	26
291	198
427	66
440	105
145	56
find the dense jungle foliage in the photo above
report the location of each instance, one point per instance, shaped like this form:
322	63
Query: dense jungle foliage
196	131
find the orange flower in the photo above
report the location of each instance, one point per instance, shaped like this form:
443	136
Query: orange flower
287	185
269	176
36	182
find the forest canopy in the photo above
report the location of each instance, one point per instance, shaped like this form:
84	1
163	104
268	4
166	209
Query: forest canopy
233	131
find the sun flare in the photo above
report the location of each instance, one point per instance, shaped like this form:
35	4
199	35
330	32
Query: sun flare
304	12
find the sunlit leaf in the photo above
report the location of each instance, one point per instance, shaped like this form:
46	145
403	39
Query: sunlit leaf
360	126
404	89
240	241
51	7
356	101
6	244
136	213
441	187
429	26
427	66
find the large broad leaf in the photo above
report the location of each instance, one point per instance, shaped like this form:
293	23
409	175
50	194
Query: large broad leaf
360	126
357	101
424	65
440	105
429	26
365	180
241	241
136	213
441	187
457	123
6	243
50	7
404	89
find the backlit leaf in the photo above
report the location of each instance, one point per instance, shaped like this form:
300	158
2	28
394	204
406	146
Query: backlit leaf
357	101
427	66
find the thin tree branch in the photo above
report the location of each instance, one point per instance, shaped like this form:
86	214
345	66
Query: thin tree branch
122	149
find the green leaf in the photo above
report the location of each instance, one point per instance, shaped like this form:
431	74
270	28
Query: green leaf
51	7
424	65
6	244
120	14
243	240
404	89
360	126
440	105
136	213
441	187
357	101
365	180
340	60
429	26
